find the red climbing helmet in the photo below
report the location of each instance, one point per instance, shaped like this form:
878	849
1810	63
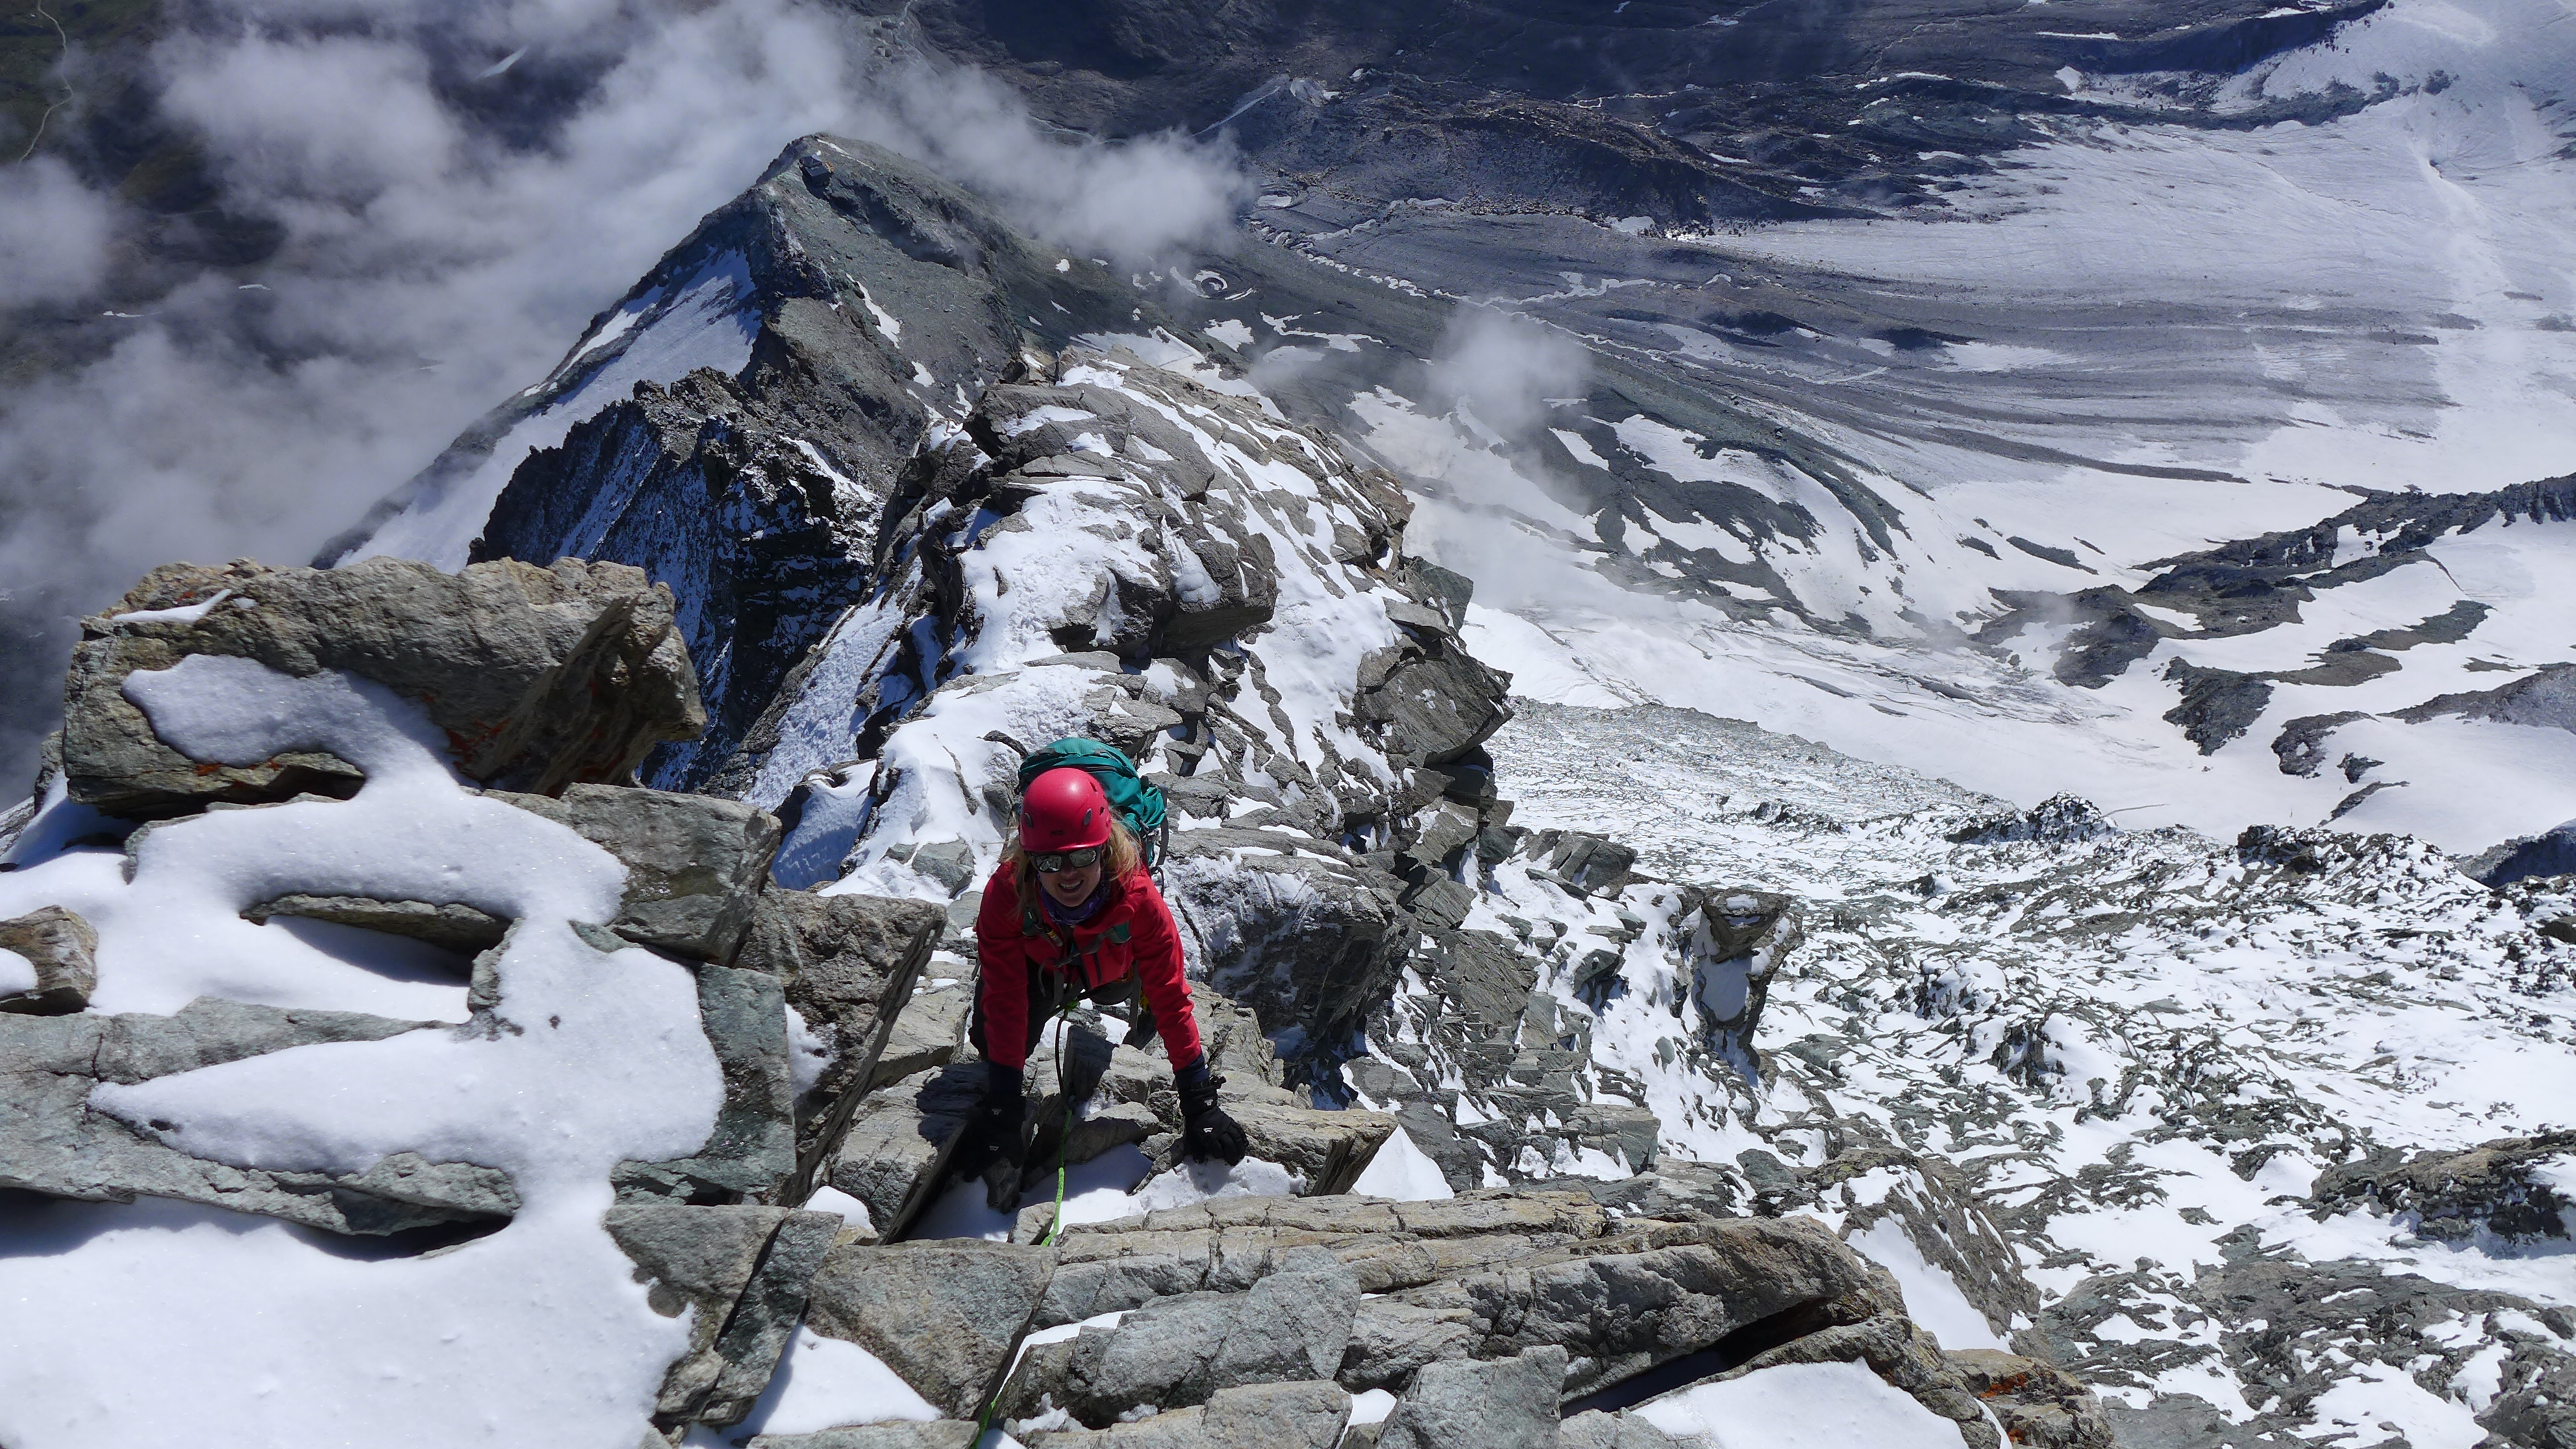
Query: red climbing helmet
1063	810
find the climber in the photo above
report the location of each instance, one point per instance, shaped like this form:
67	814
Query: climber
1073	913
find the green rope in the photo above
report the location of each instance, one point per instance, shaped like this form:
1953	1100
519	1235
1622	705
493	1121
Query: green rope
1064	1018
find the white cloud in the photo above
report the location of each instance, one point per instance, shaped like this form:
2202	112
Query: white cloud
53	235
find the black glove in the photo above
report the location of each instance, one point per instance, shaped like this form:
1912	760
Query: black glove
994	1135
1207	1133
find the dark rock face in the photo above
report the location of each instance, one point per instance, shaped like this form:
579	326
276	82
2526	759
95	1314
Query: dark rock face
882	292
2550	853
541	677
744	1270
2490	1191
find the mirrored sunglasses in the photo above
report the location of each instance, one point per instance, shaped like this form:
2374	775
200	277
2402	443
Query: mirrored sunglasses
1069	860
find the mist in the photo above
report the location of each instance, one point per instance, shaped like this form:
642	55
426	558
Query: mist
458	190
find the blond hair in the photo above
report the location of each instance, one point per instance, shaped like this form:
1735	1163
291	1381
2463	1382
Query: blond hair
1120	858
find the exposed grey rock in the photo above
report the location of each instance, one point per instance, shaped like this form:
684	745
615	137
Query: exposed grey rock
1931	1204
53	1141
752	1151
1590	864
1507	1403
2496	1189
1291	1325
937	1434
694	863
849	964
1435	708
952	862
64	951
1311	941
1254	1416
2057	818
450	927
541	676
1738	941
1594	1429
944	1315
896	1147
929	1032
744	1270
2038	1404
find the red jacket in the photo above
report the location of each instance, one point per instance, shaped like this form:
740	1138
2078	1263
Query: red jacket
1132	936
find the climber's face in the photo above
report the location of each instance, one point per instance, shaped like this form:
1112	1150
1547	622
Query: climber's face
1072	887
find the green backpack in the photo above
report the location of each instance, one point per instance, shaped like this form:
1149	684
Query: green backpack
1138	804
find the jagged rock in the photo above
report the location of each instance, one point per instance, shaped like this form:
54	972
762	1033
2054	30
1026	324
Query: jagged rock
2038	1404
1927	1200
943	1315
937	1434
929	1032
1594	1429
542	677
1327	1151
2499	1188
849	964
694	864
1255	1416
450	927
1436	708
744	1271
899	1140
2551	852
1898	1352
1737	942
752	1150
1706	1280
1440	833
1589	864
1312	942
55	1139
62	950
1507	1403
1291	1325
2058	818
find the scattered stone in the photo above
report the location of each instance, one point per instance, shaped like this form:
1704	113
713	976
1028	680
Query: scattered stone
895	1151
64	952
542	677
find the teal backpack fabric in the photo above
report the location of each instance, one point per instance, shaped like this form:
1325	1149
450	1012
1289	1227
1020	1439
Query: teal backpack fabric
1138	804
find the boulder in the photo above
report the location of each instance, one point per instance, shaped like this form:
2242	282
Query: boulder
61	952
694	864
944	1315
541	677
744	1271
1293	1324
1437	707
1312	941
1254	1416
1507	1403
